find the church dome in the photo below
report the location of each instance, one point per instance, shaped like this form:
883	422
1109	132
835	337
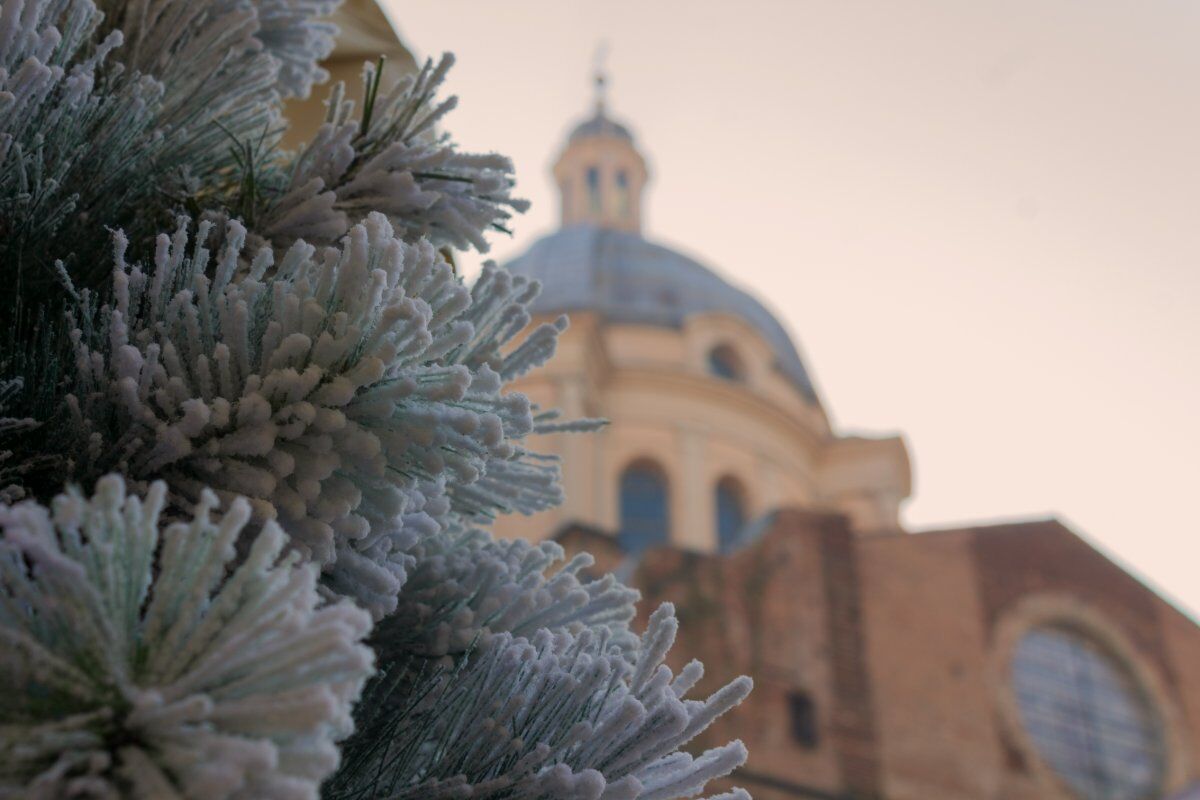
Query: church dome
600	125
599	261
626	278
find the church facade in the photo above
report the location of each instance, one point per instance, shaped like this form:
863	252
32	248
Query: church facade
1001	662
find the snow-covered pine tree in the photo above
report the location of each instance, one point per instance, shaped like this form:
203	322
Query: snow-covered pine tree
254	430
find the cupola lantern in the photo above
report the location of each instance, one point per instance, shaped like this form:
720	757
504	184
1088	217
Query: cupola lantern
600	173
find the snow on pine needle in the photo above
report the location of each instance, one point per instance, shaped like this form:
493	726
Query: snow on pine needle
556	716
75	141
299	36
389	157
355	394
466	584
142	660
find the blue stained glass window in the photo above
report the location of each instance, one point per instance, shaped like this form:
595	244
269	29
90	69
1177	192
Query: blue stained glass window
731	513
645	515
1086	716
724	363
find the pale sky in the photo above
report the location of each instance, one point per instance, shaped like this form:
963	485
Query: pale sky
977	219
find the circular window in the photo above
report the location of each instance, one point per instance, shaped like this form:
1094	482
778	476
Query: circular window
1087	717
723	362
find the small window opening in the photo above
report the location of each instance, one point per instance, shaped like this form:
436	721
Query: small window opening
731	513
803	714
623	200
593	185
723	362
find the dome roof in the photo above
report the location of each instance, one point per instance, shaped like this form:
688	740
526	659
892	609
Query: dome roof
600	125
626	278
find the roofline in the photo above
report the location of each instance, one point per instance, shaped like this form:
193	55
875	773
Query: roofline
994	526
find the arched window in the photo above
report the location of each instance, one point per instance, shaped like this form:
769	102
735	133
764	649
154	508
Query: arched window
593	189
623	194
731	512
645	513
723	362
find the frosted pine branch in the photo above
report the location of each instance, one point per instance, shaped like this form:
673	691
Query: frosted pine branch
389	158
76	137
343	392
294	33
16	462
218	79
143	662
119	114
351	389
467	584
557	715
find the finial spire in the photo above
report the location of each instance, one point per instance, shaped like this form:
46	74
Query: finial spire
601	80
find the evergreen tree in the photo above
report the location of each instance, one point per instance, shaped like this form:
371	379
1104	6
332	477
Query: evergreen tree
255	429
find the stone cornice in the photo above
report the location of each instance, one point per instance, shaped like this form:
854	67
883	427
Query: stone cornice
719	391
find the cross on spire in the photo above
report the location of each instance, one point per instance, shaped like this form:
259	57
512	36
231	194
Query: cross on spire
600	78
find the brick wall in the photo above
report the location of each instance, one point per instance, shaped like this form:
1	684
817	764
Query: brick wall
927	660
